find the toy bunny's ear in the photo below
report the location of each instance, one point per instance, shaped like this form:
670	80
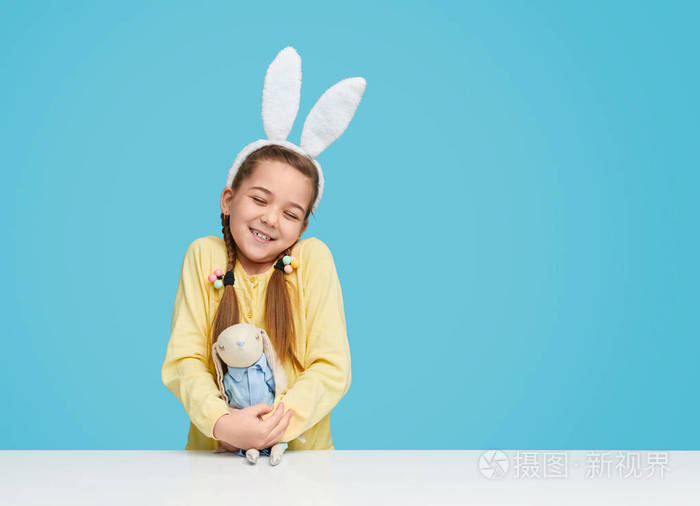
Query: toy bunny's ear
281	92
274	362
331	115
218	365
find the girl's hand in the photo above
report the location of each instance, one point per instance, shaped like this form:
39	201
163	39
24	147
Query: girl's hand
228	447
243	428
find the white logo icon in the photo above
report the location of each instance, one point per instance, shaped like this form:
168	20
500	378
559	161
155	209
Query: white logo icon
494	464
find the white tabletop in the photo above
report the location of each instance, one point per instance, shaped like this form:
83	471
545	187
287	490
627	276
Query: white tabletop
350	477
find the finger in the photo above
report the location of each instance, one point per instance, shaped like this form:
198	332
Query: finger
273	419
276	436
282	426
279	430
263	413
268	425
260	409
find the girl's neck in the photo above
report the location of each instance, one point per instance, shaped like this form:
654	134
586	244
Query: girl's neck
255	269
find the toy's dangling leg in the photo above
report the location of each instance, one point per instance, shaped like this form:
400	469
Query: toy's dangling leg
276	453
252	455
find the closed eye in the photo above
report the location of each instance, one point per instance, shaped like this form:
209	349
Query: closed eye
261	201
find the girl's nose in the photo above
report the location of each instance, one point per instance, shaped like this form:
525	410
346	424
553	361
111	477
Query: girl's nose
240	343
268	217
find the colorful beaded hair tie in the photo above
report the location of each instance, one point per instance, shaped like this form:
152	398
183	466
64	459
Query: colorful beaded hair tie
217	276
287	264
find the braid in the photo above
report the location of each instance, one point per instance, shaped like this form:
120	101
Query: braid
230	243
227	312
279	317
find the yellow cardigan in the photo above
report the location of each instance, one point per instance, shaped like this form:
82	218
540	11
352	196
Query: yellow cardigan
321	341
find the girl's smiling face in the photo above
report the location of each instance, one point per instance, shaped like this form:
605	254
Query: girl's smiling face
272	201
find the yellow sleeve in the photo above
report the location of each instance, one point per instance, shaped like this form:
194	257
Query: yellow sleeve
326	376
185	371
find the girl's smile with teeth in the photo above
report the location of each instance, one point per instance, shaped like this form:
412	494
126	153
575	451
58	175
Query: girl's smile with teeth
260	236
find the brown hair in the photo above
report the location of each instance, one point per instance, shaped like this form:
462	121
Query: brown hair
278	307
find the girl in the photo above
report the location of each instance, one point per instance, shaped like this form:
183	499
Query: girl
263	214
272	188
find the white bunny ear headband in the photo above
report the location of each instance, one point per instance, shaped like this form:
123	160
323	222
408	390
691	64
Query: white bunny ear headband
326	121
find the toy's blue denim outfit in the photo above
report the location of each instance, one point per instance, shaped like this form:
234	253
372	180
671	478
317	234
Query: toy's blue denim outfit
248	386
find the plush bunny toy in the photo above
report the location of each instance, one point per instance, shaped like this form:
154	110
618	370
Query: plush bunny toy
253	374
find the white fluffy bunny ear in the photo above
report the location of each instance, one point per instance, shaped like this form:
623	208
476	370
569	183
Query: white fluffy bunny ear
281	92
331	115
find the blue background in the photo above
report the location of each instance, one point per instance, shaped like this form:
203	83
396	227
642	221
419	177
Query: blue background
512	212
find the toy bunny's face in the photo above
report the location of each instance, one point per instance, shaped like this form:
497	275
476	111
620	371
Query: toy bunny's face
240	345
